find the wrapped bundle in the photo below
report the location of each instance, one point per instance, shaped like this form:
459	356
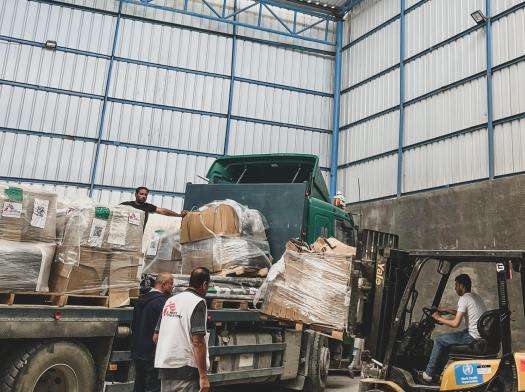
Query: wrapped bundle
163	253
224	235
25	266
27	214
310	284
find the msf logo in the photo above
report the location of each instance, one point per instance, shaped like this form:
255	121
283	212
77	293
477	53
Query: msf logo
170	310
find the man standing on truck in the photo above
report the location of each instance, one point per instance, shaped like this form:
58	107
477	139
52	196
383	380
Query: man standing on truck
145	315
182	350
141	195
470	307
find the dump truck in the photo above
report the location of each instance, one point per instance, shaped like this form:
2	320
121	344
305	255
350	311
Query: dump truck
80	348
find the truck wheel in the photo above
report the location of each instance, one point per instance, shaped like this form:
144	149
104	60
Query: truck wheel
49	367
318	365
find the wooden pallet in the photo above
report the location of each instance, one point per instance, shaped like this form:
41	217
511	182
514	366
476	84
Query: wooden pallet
81	300
25	298
216	304
244	271
53	299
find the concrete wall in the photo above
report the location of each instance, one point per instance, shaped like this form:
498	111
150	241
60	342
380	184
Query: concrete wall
484	215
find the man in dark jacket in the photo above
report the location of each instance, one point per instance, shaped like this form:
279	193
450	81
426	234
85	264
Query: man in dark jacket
145	316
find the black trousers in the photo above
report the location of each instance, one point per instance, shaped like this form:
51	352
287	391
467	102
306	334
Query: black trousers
146	377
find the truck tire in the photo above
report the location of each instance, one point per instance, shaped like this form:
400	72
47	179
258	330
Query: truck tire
318	364
49	367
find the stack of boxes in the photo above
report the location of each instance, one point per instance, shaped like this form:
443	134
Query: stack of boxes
224	235
27	238
311	284
100	253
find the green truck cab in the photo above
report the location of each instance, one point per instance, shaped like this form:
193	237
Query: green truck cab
289	190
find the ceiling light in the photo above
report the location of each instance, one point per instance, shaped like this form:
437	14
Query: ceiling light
479	17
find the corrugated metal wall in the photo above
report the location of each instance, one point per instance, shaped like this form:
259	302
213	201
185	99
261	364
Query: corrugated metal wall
150	105
435	111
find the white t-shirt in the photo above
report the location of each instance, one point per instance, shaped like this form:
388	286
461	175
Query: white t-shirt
472	306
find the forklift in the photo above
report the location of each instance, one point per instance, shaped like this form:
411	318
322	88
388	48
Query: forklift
399	347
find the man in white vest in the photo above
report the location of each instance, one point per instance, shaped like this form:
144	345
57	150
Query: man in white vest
182	351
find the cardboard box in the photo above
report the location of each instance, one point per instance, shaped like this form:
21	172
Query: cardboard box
310	287
123	277
221	220
25	266
27	215
79	270
118	228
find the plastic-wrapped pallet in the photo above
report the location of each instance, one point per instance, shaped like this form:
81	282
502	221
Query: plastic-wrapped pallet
100	252
27	214
310	284
25	266
224	235
163	253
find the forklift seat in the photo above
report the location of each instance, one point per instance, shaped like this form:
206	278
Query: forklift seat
489	344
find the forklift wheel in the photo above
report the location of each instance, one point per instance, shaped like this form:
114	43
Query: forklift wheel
319	363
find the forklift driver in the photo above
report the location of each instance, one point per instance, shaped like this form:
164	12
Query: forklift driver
470	307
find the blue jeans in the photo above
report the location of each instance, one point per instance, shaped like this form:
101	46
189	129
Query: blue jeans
436	363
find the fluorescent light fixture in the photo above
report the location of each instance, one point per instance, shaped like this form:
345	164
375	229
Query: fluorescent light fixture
478	17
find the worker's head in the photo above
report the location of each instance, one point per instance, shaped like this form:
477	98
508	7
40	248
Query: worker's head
200	280
463	284
164	283
141	194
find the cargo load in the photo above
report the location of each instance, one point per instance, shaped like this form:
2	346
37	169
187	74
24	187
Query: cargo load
27	214
224	235
100	252
163	253
25	266
311	284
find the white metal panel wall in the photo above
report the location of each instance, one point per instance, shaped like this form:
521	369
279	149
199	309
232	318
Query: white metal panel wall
250	138
458	159
448	64
453	110
509	143
509	89
368	15
370	138
436	21
369	180
371	98
284	66
167	103
284	106
371	55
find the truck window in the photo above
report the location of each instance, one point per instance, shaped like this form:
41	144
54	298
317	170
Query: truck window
344	232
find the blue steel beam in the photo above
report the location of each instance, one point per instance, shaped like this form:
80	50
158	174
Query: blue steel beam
105	101
290	28
490	104
232	83
336	108
401	137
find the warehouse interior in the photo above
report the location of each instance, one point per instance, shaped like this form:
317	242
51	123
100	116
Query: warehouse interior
415	108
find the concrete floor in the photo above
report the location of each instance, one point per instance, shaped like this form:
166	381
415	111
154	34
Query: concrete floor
336	383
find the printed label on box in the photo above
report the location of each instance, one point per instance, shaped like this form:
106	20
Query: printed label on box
467	374
14	193
96	234
12	210
153	245
134	218
39	217
117	231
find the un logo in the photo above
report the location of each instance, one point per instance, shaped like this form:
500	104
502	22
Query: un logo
468	370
